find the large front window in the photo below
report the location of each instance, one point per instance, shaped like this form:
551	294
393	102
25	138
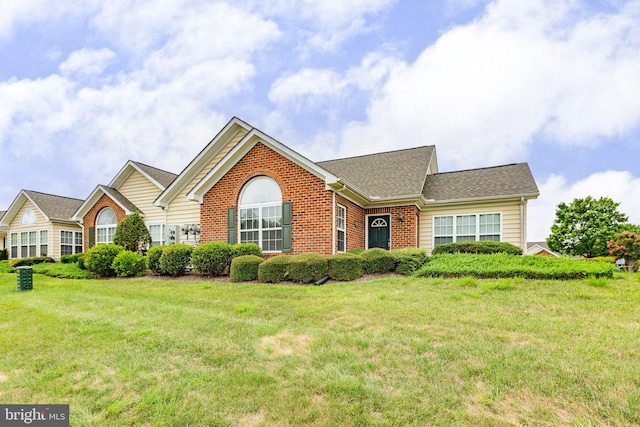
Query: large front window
70	242
460	228
106	224
261	214
27	244
157	234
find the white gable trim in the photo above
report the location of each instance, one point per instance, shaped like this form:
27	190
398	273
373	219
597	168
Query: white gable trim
126	171
252	138
93	199
205	156
15	207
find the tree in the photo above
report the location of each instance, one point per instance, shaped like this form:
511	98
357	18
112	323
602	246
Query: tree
131	233
626	245
584	227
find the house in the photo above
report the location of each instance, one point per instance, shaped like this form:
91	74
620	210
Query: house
134	189
40	224
245	186
249	187
3	232
540	248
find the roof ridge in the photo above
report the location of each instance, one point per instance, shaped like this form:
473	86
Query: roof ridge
376	154
482	168
52	195
152	167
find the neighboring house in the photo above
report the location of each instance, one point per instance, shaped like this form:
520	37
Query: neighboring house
251	188
40	224
133	189
540	248
3	232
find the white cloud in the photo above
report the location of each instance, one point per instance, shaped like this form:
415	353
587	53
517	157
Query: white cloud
87	61
524	69
621	186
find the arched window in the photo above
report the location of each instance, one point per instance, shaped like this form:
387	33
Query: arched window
28	218
261	214
106	224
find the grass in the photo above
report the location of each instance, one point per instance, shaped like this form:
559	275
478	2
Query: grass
408	351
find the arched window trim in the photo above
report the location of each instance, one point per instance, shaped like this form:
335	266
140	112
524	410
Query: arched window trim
261	222
105	231
29	218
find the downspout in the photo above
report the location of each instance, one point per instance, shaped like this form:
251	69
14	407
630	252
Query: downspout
522	225
333	223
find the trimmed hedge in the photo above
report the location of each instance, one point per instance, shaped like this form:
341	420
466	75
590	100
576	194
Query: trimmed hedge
63	271
21	262
307	268
345	267
70	259
377	260
244	268
481	247
274	269
610	259
409	260
99	259
240	249
175	258
128	264
490	266
355	251
211	258
153	259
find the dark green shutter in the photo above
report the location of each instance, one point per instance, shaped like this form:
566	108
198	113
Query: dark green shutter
231	226
286	227
92	237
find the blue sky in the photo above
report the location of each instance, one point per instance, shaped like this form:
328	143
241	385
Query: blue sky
85	87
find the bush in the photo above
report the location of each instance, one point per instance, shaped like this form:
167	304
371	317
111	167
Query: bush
355	251
610	259
5	267
240	249
21	262
244	268
153	259
345	266
409	260
175	258
80	262
99	259
132	233
211	258
70	259
63	271
481	247
307	268
275	269
128	264
377	260
4	255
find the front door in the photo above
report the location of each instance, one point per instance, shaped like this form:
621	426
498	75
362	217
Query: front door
379	231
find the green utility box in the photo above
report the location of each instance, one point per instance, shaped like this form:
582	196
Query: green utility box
25	278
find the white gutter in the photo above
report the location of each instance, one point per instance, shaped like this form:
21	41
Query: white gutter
333	223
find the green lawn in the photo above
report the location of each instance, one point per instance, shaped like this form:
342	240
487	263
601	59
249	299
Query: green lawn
398	351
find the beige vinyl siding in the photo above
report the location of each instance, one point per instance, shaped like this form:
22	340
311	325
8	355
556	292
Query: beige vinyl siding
142	193
510	216
54	237
184	211
15	223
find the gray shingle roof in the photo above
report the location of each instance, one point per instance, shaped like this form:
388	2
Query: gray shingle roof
55	207
391	174
499	181
163	177
118	197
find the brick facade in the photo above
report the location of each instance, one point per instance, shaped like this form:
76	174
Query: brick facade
89	220
312	209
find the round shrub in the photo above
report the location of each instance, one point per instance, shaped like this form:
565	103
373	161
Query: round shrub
81	264
244	268
211	258
99	259
409	260
153	259
307	268
345	266
275	269
377	260
175	258
240	249
128	264
481	247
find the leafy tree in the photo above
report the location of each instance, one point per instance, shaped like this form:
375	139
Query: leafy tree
131	233
626	245
584	227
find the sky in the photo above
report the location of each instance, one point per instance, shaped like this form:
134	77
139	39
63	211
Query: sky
86	86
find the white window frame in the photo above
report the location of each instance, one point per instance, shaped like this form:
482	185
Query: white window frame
264	210
28	218
109	230
28	246
462	232
72	242
341	228
15	245
44	242
163	228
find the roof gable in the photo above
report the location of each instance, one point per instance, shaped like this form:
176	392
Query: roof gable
160	178
514	180
54	208
97	193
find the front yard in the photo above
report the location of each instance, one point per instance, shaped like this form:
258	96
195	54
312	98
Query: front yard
395	351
